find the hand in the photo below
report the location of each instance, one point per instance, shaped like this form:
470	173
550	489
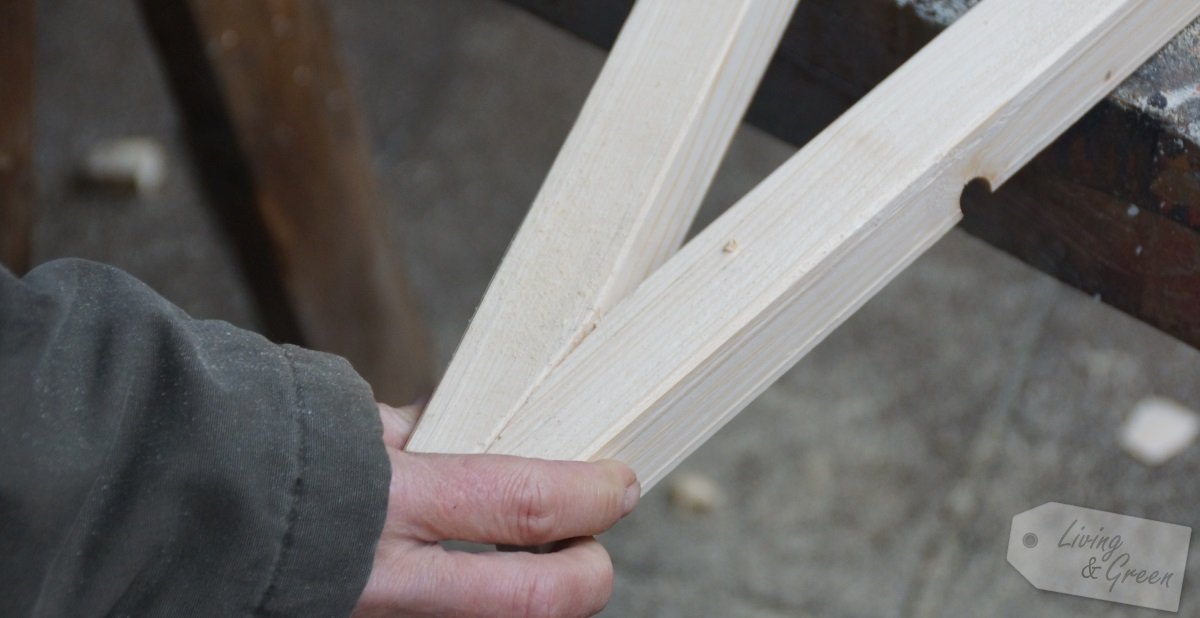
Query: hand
498	500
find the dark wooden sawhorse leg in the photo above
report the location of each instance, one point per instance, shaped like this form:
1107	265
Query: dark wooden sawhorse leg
281	148
16	132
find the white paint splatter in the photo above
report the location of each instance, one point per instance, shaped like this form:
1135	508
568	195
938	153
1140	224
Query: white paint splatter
1179	97
1193	131
943	12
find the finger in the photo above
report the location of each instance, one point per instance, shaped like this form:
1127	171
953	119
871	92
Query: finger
576	580
398	423
499	499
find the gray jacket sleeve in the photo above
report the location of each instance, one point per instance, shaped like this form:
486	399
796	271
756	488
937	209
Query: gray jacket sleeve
156	465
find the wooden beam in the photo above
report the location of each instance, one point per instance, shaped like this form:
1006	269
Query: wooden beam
1112	208
16	132
744	300
273	121
1138	147
616	204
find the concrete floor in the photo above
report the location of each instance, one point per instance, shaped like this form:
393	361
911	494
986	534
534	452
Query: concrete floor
878	478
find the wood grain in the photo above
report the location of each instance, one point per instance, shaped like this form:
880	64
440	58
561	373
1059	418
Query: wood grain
712	328
616	204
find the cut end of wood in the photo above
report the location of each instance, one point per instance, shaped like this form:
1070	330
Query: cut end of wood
1157	430
694	493
127	165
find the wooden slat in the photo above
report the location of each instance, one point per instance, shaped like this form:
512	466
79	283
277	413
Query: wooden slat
16	132
1138	147
616	204
274	124
744	300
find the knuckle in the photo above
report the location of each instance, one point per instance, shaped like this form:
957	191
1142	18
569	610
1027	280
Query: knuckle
540	597
532	504
583	589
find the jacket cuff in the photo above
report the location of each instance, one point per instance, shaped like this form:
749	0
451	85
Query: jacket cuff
339	497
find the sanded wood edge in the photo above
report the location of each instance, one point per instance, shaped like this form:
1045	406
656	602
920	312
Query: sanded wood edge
616	204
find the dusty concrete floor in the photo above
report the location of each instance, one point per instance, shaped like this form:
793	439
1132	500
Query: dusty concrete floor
878	478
